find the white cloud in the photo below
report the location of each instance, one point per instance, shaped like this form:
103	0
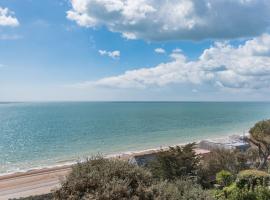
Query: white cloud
174	19
112	54
177	50
222	65
7	18
160	51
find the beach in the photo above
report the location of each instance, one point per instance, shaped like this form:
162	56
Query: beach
34	182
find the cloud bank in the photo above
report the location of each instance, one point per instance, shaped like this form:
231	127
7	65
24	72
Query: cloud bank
222	65
159	20
7	18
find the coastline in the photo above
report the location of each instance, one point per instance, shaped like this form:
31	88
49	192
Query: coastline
42	180
122	154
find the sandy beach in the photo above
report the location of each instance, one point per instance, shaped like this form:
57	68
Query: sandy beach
33	182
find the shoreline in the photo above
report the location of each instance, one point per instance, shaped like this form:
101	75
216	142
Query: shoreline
37	181
121	155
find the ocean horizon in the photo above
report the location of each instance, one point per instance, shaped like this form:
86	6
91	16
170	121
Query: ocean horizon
41	134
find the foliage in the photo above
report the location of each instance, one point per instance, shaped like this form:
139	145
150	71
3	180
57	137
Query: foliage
250	185
103	179
220	159
224	178
260	137
180	190
235	193
252	178
107	180
177	162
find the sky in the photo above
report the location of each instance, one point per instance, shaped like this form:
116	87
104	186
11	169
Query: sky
126	50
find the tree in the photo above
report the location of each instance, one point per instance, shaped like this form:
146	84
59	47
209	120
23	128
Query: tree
217	160
260	137
175	163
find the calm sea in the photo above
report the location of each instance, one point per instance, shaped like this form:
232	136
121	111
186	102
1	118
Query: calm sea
41	134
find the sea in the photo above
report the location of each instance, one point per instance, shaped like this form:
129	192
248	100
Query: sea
43	134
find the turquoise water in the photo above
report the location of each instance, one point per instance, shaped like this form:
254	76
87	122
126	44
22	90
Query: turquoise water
41	134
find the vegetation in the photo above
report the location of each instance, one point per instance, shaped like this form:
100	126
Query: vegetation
249	184
260	137
224	178
176	163
104	179
252	178
180	190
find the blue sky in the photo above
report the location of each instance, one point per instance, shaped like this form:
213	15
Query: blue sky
121	50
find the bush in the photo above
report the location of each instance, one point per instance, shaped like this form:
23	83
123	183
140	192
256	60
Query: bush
234	193
224	178
102	179
177	162
252	178
107	180
180	190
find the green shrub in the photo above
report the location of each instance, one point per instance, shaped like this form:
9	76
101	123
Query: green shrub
234	193
252	178
177	162
224	178
180	190
103	179
107	180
